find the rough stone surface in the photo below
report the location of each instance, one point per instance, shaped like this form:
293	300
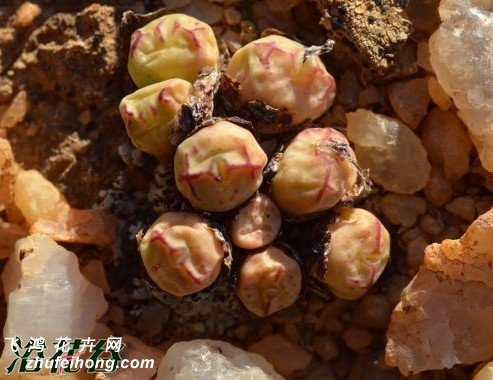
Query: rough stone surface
403	209
64	43
463	207
67	63
438	94
444	315
45	277
461	55
16	111
438	190
285	356
447	143
424	16
410	100
375	30
393	153
8	173
212	359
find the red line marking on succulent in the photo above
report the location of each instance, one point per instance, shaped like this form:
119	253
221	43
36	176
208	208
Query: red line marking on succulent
325	185
244	150
279	273
353	282
157	31
264	54
154	111
187	177
141	117
267	307
292	57
165	97
190	273
135	39
191	33
182	262
158	236
175	27
323	150
371	279
377	237
330	88
128	114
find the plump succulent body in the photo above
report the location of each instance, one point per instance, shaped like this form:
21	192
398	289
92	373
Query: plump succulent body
172	46
256	224
275	70
151	113
280	87
269	281
312	176
219	167
182	253
357	254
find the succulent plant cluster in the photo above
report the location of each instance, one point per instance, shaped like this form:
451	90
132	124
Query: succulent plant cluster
245	203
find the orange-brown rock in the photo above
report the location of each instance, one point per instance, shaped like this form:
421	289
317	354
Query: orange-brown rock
444	314
7	173
285	356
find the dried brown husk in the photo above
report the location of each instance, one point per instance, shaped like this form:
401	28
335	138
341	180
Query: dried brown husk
314	243
198	111
268	121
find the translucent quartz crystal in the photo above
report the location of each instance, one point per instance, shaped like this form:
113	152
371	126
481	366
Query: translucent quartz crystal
37	198
47	296
389	148
136	349
205	359
444	314
461	54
